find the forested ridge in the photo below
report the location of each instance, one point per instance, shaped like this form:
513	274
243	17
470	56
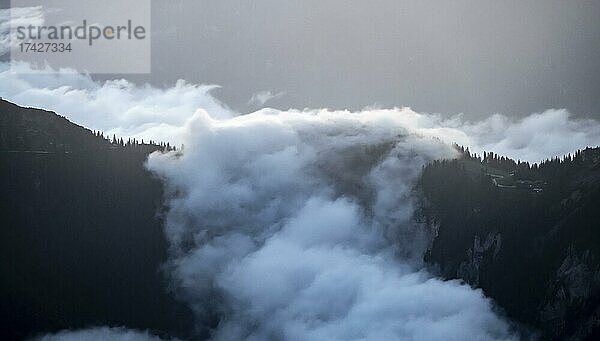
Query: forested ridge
81	241
527	234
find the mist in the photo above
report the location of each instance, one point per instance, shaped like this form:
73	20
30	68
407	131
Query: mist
100	334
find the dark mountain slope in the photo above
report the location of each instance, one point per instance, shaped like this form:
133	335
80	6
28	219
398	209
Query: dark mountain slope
529	235
26	129
80	240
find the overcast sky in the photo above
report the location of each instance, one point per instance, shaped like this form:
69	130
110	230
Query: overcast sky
476	57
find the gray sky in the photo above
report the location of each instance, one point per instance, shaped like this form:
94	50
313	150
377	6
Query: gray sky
476	57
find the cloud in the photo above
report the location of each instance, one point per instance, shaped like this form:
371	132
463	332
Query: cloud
122	108
262	97
115	107
299	226
536	137
100	334
125	109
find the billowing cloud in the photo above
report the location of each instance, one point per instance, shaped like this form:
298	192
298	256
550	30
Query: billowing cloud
114	107
122	108
299	226
534	138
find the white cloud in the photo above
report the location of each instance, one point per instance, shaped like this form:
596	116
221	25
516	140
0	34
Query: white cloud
262	97
534	138
298	226
115	107
122	108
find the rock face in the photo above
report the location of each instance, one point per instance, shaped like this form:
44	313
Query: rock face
469	268
528	235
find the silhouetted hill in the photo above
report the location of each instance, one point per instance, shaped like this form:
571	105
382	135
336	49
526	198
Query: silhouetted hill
529	235
26	129
81	242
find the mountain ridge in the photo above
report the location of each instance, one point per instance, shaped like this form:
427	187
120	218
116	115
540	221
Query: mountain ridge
81	242
528	235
